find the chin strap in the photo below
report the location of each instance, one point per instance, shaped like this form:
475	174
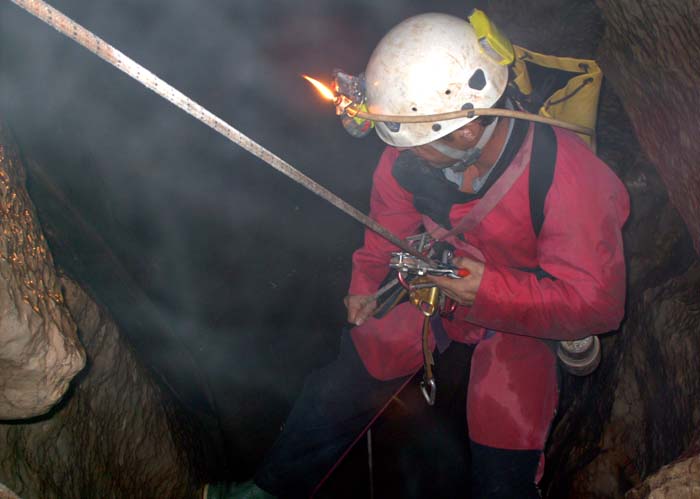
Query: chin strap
469	156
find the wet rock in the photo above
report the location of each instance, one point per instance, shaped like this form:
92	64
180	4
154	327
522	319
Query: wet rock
640	411
558	27
39	350
114	435
680	480
6	493
647	53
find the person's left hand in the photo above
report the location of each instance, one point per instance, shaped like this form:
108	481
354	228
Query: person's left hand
462	290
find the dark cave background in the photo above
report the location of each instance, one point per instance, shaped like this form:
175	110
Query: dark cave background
224	276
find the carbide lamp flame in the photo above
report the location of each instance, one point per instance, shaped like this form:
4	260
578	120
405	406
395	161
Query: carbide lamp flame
322	89
342	103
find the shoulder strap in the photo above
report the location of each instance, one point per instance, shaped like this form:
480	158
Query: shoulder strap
544	155
493	195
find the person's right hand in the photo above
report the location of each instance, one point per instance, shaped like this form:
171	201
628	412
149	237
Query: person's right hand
360	307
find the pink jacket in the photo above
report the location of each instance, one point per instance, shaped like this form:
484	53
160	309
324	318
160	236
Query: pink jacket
580	244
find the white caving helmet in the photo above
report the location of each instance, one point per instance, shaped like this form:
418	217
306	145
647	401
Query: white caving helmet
428	64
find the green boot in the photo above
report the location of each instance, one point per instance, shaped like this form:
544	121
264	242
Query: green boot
245	490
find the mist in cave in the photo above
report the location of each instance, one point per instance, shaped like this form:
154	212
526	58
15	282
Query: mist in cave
190	288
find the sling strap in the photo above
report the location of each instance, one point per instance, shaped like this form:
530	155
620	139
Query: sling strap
544	155
540	152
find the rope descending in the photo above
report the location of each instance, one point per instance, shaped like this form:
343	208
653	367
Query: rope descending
66	26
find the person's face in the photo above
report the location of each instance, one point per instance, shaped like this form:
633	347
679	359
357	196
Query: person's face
463	138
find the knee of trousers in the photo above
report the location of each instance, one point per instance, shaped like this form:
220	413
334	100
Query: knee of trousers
513	392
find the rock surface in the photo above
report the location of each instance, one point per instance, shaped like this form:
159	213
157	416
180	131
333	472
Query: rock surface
648	53
641	410
680	480
6	493
115	433
114	436
39	350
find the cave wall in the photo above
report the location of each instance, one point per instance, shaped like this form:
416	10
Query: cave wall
649	55
6	493
115	433
39	350
113	437
640	411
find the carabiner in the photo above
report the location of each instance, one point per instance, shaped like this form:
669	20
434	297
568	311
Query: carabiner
447	306
429	390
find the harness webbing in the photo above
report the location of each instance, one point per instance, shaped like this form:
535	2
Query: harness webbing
107	52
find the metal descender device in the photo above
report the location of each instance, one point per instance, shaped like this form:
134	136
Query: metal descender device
426	296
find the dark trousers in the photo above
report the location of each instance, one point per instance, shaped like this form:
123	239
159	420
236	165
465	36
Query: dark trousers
336	404
339	401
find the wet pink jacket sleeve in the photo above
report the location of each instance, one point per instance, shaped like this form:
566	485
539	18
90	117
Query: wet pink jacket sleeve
580	245
392	207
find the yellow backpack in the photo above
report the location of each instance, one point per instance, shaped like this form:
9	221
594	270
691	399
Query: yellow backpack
564	88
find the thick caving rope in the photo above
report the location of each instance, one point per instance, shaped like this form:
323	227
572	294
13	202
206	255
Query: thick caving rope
66	26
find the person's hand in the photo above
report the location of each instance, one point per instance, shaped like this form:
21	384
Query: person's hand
360	307
462	290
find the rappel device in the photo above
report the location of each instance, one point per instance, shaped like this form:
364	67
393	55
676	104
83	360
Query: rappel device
405	263
425	295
